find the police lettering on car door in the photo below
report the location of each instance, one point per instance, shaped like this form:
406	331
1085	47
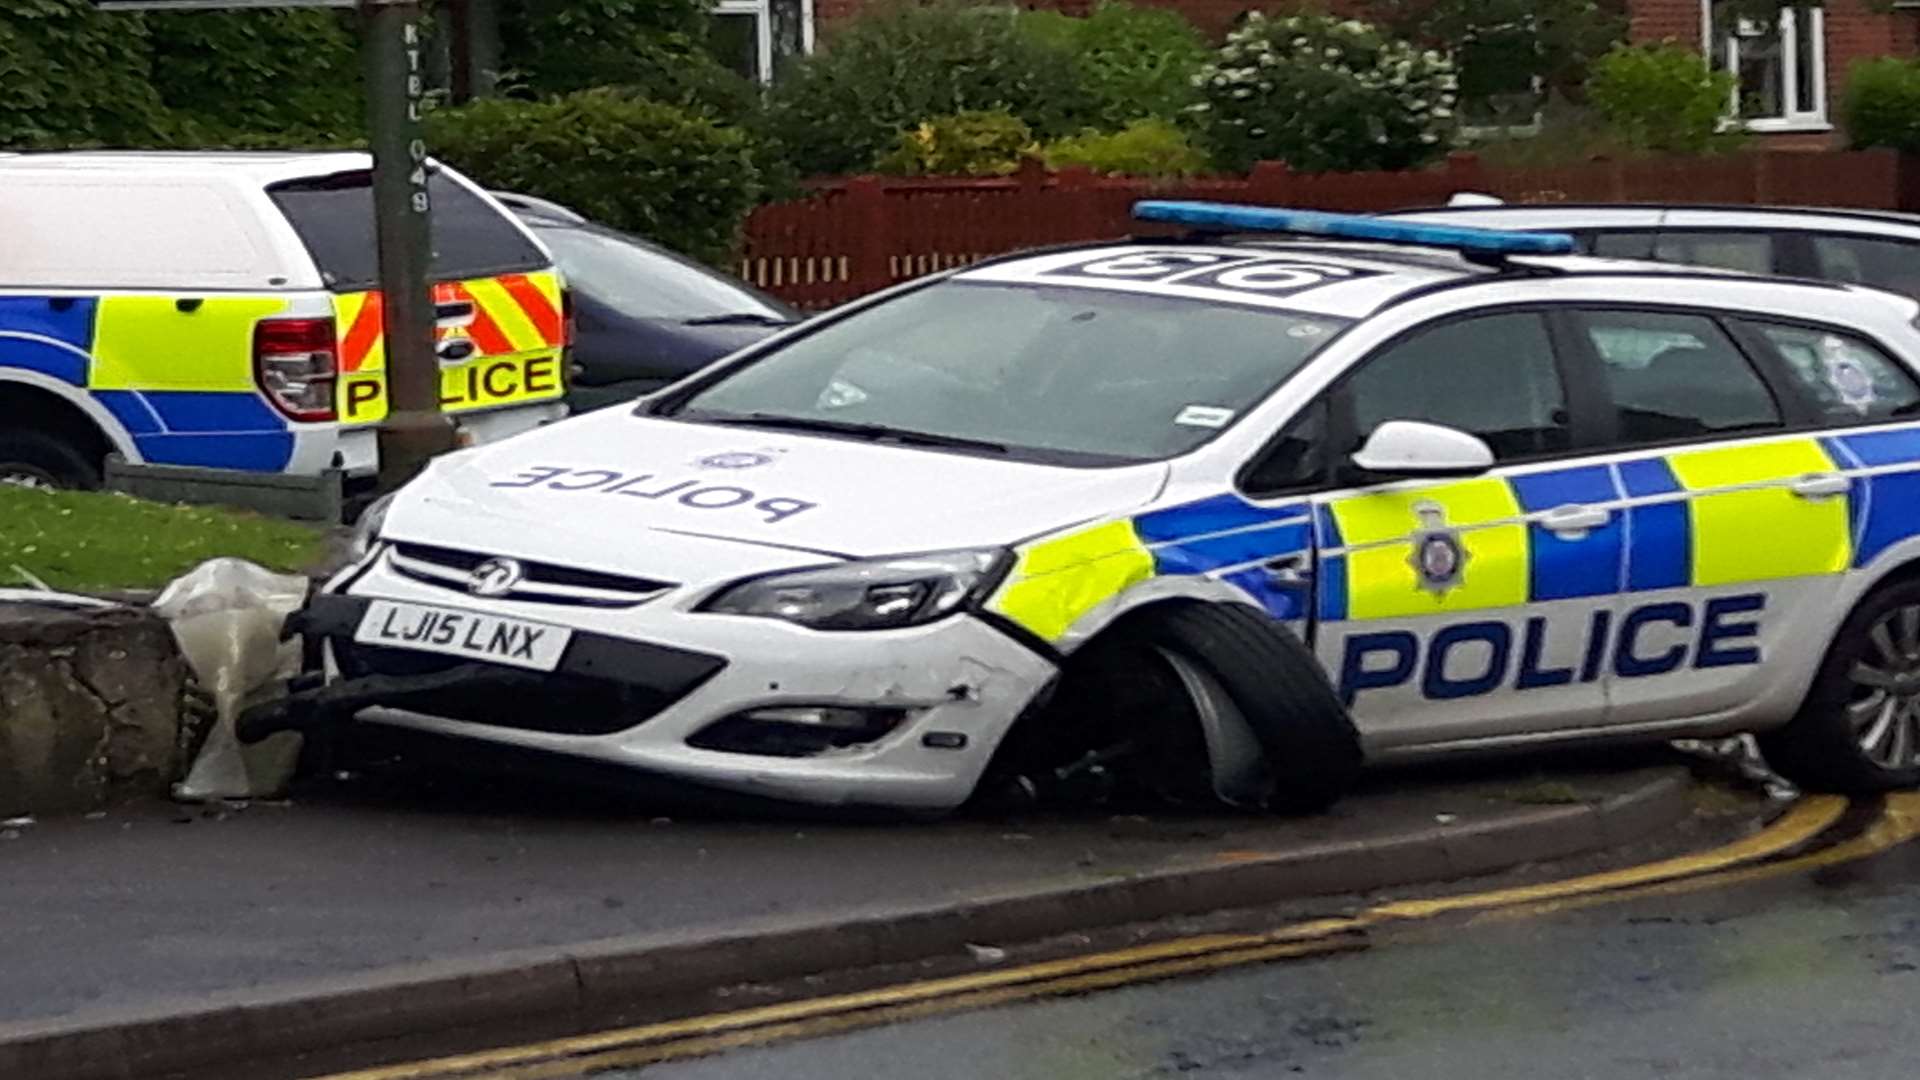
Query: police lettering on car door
1714	633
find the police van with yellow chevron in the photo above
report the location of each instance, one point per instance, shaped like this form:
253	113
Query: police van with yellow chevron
221	311
1217	516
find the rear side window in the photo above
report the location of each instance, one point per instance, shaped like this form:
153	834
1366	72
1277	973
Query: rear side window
1859	260
1849	380
1677	377
1622	245
334	217
1745	251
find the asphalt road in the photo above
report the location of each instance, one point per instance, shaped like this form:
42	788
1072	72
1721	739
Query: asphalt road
1812	974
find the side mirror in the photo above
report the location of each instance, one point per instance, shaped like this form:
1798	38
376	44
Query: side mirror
1412	448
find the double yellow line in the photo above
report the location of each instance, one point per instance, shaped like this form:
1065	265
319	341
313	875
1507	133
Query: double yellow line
1755	856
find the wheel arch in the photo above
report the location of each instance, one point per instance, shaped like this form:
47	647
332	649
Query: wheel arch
1157	593
72	409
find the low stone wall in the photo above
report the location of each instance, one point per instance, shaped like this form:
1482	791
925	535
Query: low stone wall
90	707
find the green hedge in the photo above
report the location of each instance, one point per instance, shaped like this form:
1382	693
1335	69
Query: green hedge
659	170
1882	104
976	143
1152	148
1662	99
1135	63
70	73
247	74
899	64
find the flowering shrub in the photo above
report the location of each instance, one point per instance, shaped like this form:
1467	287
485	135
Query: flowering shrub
1322	94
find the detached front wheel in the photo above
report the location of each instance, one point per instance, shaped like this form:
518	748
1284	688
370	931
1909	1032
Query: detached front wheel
1243	672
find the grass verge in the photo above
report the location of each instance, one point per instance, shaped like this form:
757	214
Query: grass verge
100	541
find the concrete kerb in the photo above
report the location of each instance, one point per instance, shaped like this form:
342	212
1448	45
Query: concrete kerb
596	978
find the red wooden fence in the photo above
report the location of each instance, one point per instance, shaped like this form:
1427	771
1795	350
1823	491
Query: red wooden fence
851	237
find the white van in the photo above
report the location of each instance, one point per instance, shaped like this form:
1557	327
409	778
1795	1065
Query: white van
222	310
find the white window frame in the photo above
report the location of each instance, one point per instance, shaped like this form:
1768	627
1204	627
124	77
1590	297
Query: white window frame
762	13
1725	55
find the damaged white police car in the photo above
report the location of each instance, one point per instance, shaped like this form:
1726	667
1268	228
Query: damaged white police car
1211	517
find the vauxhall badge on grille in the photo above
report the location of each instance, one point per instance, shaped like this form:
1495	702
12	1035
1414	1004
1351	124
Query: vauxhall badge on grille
495	577
1438	558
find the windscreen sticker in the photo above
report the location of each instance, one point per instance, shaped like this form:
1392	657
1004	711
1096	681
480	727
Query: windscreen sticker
1265	275
696	493
1206	416
840	394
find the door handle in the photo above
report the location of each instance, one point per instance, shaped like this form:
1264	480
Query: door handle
1820	485
1574	522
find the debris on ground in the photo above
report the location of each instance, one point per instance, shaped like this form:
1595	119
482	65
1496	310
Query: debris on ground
987	954
1738	761
20	822
226	616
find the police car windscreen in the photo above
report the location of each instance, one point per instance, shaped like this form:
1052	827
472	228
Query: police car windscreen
1053	373
334	217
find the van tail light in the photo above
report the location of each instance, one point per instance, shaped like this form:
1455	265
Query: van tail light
568	331
295	363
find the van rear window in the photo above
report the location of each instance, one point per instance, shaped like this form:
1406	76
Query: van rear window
334	217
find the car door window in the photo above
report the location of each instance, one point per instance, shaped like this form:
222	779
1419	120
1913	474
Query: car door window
1675	376
1622	245
1849	380
1493	376
1751	252
1858	260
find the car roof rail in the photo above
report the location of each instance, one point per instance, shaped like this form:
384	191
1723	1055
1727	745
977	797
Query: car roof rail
1486	247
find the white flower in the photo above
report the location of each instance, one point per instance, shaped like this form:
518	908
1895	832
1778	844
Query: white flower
1428	138
1354	26
1332	54
1443	114
1243	92
1256	132
1418	104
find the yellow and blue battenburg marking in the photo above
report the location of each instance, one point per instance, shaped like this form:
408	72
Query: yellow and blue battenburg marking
180	384
1685	519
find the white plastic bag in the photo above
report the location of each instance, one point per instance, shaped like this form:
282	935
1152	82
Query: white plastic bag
226	615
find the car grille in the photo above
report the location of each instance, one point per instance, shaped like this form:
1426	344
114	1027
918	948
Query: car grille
541	583
501	697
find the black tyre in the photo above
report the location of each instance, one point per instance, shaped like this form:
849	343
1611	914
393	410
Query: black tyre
1858	731
37	459
1312	750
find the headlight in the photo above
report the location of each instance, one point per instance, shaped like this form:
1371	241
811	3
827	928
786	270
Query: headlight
875	594
366	531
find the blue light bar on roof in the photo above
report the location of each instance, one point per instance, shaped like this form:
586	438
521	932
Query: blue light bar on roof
1229	217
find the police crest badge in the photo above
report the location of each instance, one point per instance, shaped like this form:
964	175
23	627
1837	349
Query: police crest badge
1438	558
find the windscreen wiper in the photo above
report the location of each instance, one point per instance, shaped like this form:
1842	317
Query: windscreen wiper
738	318
874	432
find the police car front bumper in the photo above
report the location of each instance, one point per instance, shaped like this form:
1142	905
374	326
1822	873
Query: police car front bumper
903	718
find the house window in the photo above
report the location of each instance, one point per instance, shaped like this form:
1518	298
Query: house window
1781	65
752	36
